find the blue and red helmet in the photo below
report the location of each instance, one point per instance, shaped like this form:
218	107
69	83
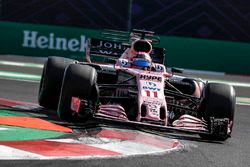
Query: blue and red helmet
142	60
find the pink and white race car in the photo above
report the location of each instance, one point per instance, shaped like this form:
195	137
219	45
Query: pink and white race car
133	92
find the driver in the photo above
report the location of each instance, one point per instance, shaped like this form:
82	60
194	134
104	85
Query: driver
142	60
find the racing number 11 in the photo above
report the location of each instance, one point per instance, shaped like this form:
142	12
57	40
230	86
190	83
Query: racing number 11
148	93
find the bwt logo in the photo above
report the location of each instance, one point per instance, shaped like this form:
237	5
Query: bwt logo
32	39
151	84
151	88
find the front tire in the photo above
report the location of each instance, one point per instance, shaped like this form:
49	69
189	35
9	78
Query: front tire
51	81
79	81
218	102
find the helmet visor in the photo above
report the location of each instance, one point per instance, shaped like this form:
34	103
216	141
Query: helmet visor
141	63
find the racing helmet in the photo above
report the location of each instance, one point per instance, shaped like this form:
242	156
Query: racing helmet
142	60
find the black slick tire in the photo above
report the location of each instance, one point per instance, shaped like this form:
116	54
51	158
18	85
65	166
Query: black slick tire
218	101
79	81
51	81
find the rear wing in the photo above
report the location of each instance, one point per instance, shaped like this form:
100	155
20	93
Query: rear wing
114	43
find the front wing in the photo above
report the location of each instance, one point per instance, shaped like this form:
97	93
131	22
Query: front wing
147	125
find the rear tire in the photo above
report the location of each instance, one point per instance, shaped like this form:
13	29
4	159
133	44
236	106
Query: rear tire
218	102
79	81
51	81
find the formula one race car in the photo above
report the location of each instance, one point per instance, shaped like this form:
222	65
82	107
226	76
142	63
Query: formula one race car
132	86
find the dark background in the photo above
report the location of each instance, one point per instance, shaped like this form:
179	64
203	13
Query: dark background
210	19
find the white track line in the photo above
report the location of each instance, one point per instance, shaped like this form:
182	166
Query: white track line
21	64
190	71
8	153
3	129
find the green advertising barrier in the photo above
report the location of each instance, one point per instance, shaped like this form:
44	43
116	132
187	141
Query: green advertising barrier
40	40
43	40
211	55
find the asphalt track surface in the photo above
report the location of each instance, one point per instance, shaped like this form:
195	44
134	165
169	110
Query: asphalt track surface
234	152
